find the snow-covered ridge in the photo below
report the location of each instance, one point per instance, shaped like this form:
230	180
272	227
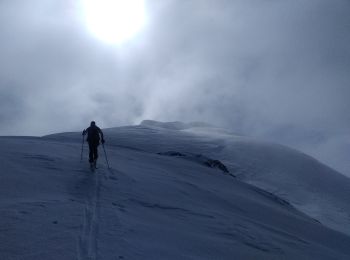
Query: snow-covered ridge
309	185
150	205
306	183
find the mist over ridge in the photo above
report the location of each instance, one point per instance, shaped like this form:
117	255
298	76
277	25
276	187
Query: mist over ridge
268	69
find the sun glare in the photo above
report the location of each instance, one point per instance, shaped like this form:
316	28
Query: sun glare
114	21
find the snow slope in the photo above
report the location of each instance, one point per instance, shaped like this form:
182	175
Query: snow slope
309	185
159	206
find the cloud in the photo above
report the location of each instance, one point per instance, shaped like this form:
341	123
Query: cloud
260	67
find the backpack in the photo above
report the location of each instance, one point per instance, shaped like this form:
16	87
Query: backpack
93	134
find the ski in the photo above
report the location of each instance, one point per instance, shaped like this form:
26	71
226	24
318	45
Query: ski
93	166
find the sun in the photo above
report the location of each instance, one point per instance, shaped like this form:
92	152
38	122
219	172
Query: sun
114	21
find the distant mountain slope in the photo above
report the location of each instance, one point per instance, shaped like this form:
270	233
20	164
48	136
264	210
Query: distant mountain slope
155	206
309	185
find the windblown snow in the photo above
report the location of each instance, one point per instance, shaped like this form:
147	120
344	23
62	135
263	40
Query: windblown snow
173	191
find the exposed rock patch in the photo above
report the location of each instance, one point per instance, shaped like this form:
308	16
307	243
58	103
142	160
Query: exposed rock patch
211	163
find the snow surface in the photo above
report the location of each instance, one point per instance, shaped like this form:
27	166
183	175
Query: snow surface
160	200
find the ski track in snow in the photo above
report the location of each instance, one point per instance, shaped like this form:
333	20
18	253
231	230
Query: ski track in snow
88	240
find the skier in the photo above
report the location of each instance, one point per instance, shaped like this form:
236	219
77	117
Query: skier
93	138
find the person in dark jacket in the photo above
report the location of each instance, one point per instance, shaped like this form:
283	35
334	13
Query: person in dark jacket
94	135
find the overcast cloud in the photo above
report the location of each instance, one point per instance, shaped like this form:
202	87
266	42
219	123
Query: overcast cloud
273	69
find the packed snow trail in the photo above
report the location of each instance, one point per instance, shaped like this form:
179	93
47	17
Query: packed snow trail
88	242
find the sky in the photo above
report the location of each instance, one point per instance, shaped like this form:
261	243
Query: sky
271	69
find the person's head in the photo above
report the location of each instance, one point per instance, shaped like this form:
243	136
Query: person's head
93	123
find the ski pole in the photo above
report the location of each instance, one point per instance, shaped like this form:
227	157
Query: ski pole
105	155
82	148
